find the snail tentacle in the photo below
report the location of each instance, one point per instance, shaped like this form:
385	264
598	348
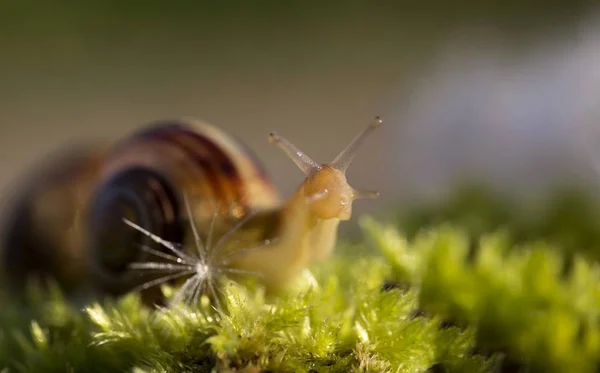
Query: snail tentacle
303	161
345	157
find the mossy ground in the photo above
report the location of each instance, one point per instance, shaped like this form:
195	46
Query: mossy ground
443	298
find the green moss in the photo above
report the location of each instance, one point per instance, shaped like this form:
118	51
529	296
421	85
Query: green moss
338	321
474	291
521	302
568	218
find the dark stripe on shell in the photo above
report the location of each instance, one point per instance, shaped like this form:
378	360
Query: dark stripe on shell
214	168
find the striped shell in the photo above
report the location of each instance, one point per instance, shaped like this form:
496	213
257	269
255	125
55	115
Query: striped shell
143	177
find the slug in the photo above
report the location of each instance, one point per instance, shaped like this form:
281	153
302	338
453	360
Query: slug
177	201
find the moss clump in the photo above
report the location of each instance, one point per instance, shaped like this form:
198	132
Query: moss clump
520	302
337	321
568	218
449	297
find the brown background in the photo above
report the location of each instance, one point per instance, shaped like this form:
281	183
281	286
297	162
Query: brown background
497	90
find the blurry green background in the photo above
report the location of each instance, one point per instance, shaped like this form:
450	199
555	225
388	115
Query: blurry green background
503	91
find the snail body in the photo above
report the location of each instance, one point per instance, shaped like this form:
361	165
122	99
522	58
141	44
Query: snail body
145	179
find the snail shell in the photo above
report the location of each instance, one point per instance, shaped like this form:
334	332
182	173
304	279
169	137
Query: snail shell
41	235
143	178
68	222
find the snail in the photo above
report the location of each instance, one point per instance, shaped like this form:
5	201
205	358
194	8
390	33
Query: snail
101	216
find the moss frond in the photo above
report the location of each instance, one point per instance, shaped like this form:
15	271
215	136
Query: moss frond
343	322
452	296
521	302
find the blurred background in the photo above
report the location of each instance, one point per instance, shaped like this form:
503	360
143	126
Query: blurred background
506	92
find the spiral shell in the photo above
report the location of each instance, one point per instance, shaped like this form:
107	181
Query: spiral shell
143	178
42	236
168	181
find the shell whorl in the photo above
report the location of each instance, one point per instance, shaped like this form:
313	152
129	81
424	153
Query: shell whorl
66	222
42	237
144	179
200	160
